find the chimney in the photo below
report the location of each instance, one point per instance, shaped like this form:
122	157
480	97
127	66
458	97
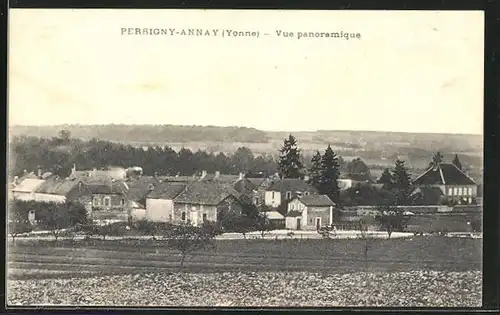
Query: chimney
217	174
203	174
16	181
94	172
73	170
39	174
241	175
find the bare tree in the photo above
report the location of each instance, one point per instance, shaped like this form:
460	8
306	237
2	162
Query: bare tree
186	239
367	240
391	218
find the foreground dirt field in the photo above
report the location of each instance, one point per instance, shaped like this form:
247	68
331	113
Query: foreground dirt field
403	289
423	271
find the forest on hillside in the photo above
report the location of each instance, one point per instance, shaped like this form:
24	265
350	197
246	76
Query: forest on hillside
59	154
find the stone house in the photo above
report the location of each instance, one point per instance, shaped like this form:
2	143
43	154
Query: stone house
202	202
109	199
64	190
160	201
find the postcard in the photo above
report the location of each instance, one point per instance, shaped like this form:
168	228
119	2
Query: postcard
245	158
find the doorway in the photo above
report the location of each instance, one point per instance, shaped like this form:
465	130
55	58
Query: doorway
298	224
318	223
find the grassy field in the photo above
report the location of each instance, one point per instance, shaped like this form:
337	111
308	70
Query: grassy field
42	272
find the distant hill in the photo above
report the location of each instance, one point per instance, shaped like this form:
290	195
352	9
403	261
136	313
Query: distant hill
378	149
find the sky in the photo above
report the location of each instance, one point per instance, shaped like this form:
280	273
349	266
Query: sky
414	71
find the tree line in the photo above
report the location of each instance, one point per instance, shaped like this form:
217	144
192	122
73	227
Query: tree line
59	154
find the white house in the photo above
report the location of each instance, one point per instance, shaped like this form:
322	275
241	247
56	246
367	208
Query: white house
284	189
309	212
159	202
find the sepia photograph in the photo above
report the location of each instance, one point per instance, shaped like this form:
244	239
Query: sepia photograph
244	158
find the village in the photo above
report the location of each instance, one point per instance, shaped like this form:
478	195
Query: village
441	199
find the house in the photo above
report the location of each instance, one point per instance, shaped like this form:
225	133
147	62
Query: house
138	189
109	199
282	190
116	174
453	182
309	212
276	218
201	202
64	190
217	176
160	201
25	190
260	184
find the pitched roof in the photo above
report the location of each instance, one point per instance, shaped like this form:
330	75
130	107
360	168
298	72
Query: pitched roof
28	185
30	175
107	187
141	187
167	190
444	174
206	193
294	213
290	184
186	179
316	200
256	181
57	186
244	186
274	215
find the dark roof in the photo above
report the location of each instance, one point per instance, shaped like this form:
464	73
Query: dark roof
290	184
107	187
294	213
444	174
427	190
167	190
224	178
206	193
244	186
141	187
256	181
55	186
316	200
185	179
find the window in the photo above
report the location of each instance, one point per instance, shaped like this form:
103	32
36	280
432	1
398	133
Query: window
292	207
107	201
470	191
450	191
96	201
204	218
272	194
122	202
183	216
460	191
455	191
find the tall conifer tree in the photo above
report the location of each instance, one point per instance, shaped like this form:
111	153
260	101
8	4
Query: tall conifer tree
329	175
290	164
315	170
402	183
